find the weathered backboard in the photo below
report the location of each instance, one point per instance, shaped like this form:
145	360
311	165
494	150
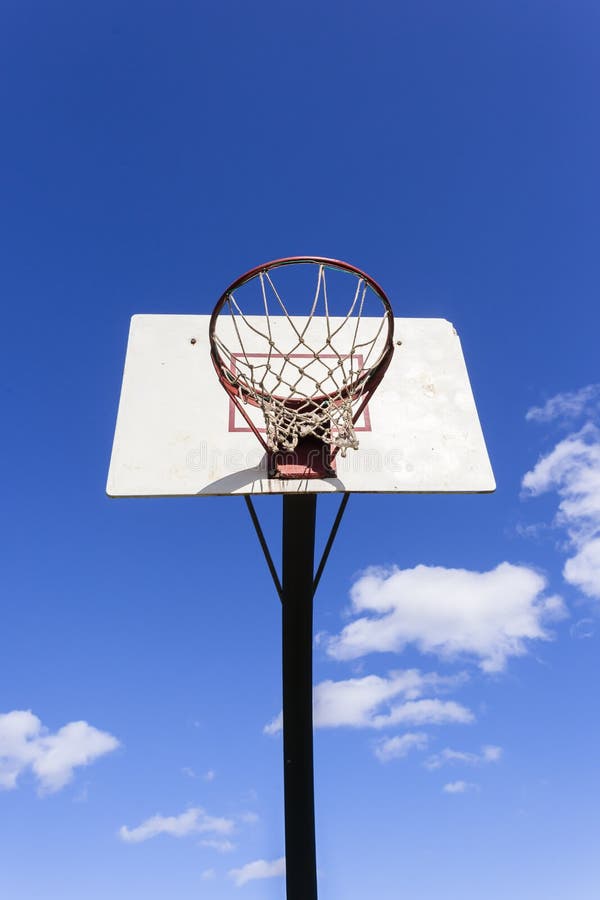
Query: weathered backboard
179	435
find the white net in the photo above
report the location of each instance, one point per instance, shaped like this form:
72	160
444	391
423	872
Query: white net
307	374
329	422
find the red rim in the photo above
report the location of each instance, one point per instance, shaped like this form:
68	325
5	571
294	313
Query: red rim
376	372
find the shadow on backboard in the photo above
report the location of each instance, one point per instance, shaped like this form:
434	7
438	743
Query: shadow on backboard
257	477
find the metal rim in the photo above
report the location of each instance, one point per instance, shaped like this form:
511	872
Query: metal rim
376	371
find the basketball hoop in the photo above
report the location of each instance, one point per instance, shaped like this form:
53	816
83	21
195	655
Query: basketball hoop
300	345
310	386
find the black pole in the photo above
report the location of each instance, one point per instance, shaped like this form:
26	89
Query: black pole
299	515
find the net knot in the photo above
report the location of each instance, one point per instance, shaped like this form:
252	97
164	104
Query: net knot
330	422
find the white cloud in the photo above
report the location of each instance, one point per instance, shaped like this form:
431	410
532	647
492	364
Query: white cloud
459	787
221	846
249	818
208	875
258	869
210	775
400	746
424	712
488	615
275	725
583	569
376	702
568	405
583	629
572	470
26	744
191	821
489	754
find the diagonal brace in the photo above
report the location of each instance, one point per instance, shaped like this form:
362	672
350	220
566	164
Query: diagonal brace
267	552
330	540
263	543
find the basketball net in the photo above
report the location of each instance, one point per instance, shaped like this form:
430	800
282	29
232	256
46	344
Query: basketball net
309	383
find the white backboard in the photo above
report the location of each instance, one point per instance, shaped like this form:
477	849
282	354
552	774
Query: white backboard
179	435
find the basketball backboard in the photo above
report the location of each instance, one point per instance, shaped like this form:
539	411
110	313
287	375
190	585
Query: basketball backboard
179	434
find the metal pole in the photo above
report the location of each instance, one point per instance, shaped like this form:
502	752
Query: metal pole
299	515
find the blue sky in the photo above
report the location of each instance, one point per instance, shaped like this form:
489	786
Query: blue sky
150	154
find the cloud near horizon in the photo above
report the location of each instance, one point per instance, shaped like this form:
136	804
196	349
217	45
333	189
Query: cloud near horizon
257	870
459	787
489	754
220	845
192	821
25	744
377	702
400	746
572	471
453	613
567	406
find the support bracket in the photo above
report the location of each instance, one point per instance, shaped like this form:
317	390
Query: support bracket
267	553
